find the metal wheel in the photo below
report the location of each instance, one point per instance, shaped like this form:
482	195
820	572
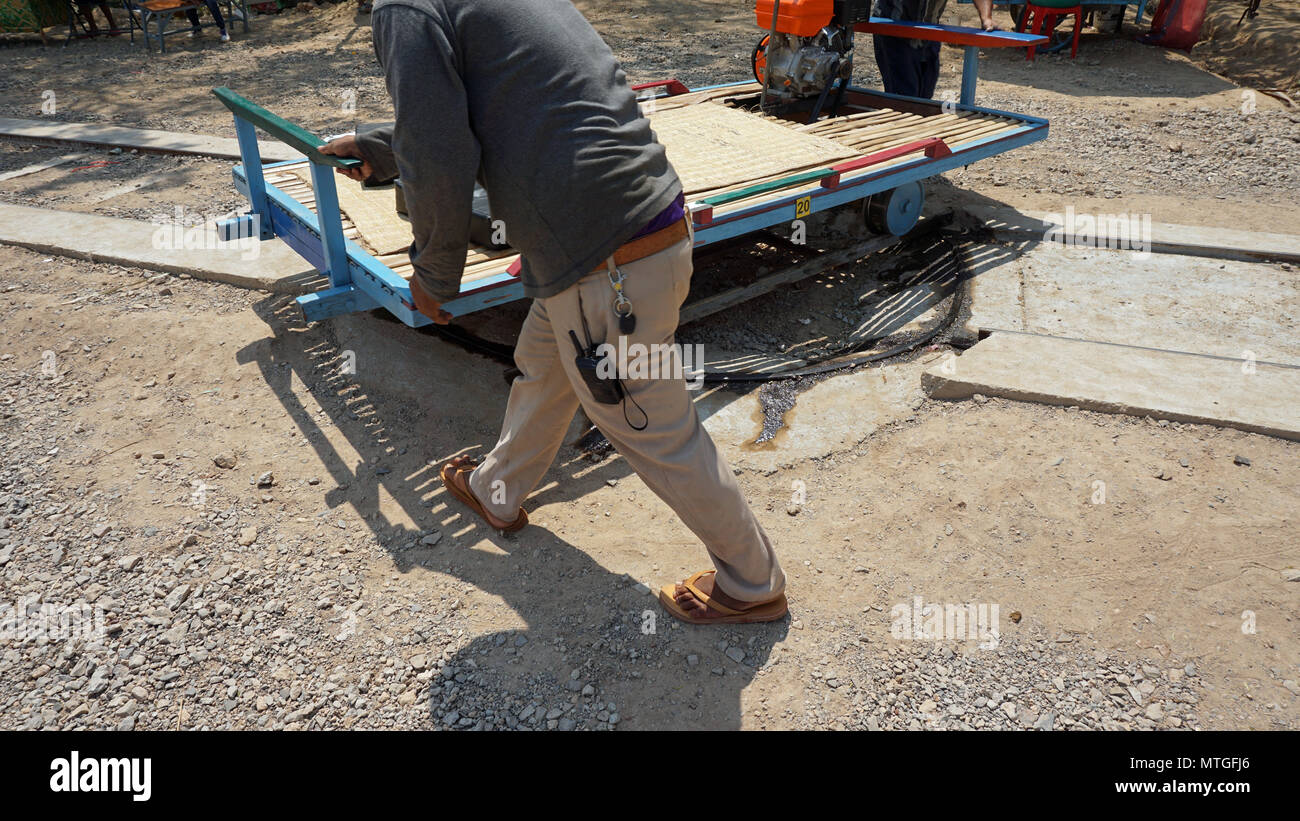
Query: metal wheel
895	211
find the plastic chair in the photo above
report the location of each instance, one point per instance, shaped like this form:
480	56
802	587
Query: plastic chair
1044	15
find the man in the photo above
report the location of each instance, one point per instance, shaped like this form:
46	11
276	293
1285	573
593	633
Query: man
908	66
526	96
196	29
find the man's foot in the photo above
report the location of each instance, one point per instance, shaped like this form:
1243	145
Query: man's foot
195	32
698	600
225	38
455	477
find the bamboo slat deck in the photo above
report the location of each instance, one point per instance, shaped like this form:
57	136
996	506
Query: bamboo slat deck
480	262
864	132
867	132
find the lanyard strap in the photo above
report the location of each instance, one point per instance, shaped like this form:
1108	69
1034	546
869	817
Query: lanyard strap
622	305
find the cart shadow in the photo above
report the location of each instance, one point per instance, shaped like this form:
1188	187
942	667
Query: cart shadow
578	614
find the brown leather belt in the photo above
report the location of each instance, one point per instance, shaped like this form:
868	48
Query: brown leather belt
650	244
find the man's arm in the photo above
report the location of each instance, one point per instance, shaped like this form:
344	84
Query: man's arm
430	146
376	145
373	145
436	151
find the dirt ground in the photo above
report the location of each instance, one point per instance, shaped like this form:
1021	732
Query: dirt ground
364	597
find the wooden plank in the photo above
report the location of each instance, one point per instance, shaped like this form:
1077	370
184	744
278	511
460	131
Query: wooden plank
824	128
837	123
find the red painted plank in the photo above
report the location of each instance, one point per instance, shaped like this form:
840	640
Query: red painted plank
673	85
932	146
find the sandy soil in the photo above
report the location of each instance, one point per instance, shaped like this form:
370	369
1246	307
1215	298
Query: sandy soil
992	502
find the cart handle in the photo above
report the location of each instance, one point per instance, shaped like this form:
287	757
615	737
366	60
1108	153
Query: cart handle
283	130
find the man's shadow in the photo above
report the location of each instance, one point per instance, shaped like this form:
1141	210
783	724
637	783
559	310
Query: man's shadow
405	402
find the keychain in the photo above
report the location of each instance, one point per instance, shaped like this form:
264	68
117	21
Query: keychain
622	305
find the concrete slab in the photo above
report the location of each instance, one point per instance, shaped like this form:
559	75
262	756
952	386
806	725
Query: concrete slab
1116	230
111	136
1221	307
1180	387
267	266
832	416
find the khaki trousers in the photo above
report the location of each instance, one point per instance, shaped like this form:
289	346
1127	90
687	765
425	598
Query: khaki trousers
673	455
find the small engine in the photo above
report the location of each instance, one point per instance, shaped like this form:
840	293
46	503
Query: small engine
812	46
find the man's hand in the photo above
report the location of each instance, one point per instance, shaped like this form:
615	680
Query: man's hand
427	305
346	146
985	9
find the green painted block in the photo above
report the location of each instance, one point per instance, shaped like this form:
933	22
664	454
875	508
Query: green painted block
764	187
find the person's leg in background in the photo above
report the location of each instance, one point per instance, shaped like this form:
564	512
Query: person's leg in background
927	69
87	13
108	15
884	62
193	17
216	15
900	66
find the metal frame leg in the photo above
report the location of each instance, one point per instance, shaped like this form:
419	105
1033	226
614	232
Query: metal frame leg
230	13
251	157
970	66
330	225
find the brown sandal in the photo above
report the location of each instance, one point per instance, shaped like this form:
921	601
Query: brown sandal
767	611
464	465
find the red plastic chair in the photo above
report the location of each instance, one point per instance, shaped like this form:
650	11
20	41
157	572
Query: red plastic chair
1039	17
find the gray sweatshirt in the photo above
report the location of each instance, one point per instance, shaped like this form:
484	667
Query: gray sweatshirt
524	96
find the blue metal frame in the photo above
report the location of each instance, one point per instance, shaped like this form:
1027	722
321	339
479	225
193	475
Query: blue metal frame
359	282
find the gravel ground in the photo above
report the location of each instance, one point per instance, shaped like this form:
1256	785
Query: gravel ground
243	584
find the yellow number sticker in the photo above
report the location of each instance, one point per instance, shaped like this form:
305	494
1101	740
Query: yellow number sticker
803	206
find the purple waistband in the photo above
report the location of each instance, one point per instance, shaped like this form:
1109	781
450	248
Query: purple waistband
674	212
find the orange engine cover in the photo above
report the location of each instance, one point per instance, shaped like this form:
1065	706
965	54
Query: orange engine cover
802	18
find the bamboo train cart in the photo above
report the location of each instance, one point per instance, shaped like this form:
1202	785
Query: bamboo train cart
887	145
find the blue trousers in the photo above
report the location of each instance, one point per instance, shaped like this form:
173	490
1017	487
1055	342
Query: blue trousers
906	70
216	15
